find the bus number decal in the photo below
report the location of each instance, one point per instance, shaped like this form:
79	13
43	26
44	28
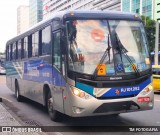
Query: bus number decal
130	89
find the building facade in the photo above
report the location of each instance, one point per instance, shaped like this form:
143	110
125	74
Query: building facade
107	5
142	7
157	10
35	11
22	19
50	6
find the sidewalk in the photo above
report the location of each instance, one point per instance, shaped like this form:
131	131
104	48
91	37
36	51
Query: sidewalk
7	120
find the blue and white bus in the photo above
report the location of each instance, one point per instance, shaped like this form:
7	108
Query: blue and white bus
83	63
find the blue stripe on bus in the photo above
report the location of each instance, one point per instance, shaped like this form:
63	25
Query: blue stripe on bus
37	71
123	91
46	72
126	91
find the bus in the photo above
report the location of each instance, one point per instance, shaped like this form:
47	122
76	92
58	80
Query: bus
82	63
156	77
2	64
152	57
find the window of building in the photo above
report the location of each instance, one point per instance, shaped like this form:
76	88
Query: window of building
137	11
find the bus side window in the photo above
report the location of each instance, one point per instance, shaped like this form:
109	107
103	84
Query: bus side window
19	49
10	52
40	43
56	50
14	51
29	46
158	72
35	44
25	47
7	53
46	41
22	48
153	71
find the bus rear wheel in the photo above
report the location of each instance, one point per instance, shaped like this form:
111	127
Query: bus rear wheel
18	96
54	114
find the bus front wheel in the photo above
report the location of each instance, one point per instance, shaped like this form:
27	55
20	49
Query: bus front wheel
54	114
18	96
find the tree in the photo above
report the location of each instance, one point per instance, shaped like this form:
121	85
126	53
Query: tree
150	31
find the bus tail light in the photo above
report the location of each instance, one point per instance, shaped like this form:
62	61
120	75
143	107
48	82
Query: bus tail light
143	99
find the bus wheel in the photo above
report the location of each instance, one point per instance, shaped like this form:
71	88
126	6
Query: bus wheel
54	115
18	96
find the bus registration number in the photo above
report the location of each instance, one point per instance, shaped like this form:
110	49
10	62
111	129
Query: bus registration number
130	89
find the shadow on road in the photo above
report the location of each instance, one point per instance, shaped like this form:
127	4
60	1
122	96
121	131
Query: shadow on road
157	92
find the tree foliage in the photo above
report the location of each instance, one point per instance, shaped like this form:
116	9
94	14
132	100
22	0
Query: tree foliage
150	31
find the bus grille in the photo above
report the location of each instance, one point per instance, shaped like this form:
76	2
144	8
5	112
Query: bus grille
117	106
109	84
117	97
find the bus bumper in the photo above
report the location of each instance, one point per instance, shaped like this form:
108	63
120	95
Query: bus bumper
93	106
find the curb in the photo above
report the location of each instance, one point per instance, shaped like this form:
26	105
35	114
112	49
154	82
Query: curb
4	103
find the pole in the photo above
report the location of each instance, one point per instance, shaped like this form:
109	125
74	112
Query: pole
156	44
145	12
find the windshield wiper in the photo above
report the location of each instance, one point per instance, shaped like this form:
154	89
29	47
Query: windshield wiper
107	51
123	50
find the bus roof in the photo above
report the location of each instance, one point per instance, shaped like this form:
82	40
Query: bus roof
82	14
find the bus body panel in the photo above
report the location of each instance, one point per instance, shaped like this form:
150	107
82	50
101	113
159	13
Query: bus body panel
8	82
94	106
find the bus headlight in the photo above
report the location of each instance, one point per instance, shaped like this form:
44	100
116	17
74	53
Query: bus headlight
79	93
147	89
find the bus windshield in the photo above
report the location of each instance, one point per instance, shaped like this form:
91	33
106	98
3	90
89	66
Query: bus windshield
94	42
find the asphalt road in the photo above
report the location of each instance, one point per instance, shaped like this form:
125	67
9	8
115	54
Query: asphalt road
32	113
